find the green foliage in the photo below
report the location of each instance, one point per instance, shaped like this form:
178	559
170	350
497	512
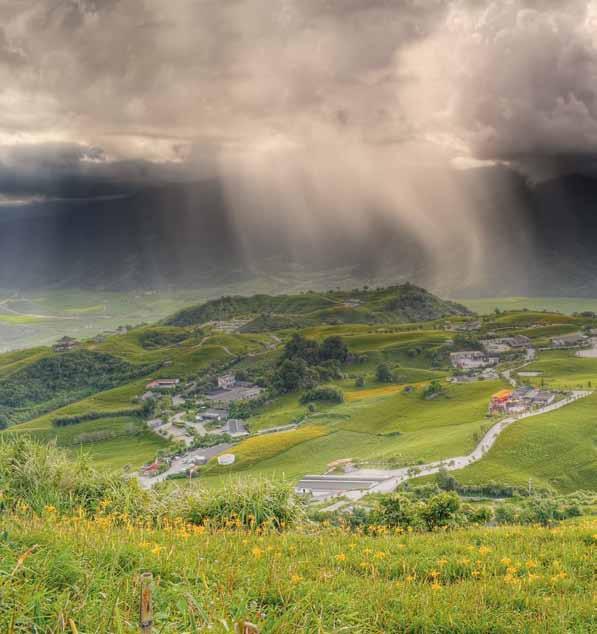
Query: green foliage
433	389
65	421
404	303
298	347
384	374
333	349
161	337
439	511
58	379
328	394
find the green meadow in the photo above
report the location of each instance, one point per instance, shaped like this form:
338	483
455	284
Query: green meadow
556	451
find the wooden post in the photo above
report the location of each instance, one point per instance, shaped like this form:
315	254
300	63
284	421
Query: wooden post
146	616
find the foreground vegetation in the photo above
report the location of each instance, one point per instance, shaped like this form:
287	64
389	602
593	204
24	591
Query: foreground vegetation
73	543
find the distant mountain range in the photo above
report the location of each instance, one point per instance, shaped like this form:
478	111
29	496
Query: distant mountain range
541	242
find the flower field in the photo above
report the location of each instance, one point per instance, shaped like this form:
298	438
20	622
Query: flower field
79	574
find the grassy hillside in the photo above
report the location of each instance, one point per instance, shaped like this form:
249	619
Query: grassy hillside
556	450
46	383
86	572
567	305
394	304
382	424
75	541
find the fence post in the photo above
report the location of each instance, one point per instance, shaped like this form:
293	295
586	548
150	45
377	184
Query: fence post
146	610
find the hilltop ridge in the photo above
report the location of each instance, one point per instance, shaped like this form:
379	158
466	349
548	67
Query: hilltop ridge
400	303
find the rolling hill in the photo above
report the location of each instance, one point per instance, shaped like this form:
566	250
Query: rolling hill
397	304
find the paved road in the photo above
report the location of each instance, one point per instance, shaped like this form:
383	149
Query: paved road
394	477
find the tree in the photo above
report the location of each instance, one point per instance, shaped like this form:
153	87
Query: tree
441	510
384	374
397	510
301	348
4	422
291	375
359	382
334	349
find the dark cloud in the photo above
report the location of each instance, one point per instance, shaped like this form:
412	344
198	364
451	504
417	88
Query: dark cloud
309	114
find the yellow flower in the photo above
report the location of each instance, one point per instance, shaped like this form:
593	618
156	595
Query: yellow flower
410	578
506	561
442	562
257	552
50	508
465	561
475	573
531	563
341	557
379	555
512	570
435	585
295	579
157	549
483	550
434	574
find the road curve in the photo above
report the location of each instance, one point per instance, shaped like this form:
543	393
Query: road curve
394	477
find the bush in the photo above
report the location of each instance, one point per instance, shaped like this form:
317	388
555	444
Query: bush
384	374
65	421
329	394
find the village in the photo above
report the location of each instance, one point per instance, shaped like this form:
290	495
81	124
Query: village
200	424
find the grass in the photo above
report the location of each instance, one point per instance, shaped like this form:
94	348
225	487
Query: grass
567	305
258	448
58	570
556	450
563	370
379	424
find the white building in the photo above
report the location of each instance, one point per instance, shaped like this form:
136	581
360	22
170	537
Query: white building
227	381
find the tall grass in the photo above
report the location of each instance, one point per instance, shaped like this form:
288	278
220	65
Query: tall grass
39	476
56	569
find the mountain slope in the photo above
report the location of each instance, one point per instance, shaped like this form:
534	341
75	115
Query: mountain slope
404	303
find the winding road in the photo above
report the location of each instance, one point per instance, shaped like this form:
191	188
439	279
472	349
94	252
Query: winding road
395	477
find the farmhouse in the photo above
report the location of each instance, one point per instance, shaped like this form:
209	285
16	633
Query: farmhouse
163	384
467	326
212	414
499	401
227	381
65	344
505	344
566	341
520	400
471	360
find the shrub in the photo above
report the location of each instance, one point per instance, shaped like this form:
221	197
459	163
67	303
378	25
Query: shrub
384	374
329	394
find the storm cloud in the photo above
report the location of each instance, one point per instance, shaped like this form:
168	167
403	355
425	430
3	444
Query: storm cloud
310	114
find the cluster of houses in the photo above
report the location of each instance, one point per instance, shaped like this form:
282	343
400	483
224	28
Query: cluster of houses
520	400
501	345
219	423
472	360
230	390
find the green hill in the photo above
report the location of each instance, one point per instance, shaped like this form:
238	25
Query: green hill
405	303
